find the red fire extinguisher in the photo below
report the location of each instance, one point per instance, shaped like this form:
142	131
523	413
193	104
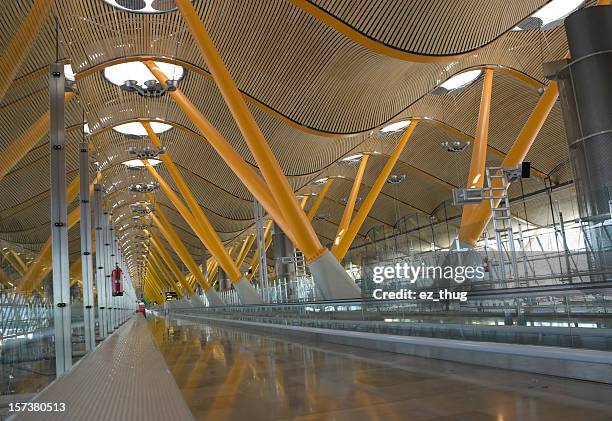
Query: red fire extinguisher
116	279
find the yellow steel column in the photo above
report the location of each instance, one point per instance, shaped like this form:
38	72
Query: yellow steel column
17	51
161	222
246	247
305	235
479	146
202	226
41	266
315	207
340	250
22	145
473	227
204	230
350	203
162	275
167	259
235	162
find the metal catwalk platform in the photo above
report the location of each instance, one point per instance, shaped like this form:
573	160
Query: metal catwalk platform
125	378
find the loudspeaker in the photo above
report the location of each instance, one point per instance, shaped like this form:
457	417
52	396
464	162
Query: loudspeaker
526	170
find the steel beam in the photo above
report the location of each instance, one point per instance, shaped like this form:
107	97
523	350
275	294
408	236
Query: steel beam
471	230
22	145
19	47
204	230
368	202
478	159
283	194
350	203
100	261
86	249
59	229
315	207
235	162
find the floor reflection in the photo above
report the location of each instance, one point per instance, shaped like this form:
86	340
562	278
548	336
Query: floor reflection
228	374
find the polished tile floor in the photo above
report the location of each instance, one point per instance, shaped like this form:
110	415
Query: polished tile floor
228	374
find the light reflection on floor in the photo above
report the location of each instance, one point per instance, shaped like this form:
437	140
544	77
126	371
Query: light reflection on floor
228	374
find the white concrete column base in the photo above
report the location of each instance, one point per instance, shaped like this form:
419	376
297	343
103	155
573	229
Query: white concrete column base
332	279
247	293
214	299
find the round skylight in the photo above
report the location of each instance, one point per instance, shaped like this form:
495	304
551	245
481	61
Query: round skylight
137	163
461	80
144	6
134	128
138	71
555	11
395	127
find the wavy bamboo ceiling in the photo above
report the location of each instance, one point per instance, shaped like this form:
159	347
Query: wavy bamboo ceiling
316	90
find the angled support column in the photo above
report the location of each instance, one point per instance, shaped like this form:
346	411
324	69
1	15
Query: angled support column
246	247
18	49
472	228
201	226
234	161
350	203
305	236
260	260
317	204
167	259
86	250
41	266
100	261
481	140
108	269
22	145
59	229
164	273
358	220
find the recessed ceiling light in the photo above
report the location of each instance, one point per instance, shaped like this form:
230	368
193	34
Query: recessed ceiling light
461	80
138	71
135	163
555	11
134	128
395	127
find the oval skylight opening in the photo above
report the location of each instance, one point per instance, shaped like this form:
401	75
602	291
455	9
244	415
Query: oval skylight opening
461	80
555	11
143	6
137	163
136	70
355	157
136	129
395	127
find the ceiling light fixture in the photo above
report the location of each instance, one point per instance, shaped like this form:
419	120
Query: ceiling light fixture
395	127
135	128
139	74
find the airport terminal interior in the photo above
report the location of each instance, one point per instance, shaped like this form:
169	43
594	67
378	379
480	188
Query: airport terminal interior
306	210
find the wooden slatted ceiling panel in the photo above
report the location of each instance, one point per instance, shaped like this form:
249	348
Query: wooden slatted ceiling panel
292	90
409	26
306	71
